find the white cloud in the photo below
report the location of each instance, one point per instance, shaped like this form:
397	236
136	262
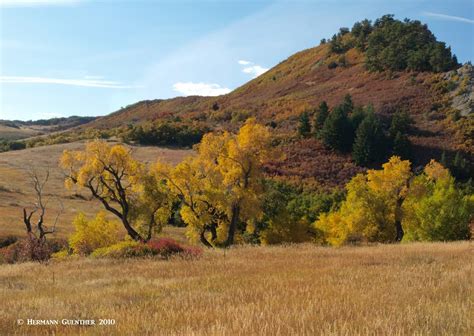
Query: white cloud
87	82
31	3
199	89
255	70
251	68
449	17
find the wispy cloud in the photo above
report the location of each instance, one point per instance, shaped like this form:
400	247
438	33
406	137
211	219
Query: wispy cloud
199	89
448	17
251	68
90	81
32	3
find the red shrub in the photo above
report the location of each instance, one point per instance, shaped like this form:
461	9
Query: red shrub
27	250
167	247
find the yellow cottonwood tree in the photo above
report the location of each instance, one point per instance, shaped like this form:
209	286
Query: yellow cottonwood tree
123	185
221	187
372	209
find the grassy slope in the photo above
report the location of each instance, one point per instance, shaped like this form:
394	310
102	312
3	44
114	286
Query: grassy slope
16	191
28	129
13	133
300	82
304	290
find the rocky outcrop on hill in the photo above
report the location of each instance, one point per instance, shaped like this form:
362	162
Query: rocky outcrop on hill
463	96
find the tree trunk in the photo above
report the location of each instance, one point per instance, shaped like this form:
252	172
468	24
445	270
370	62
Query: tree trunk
233	225
400	232
398	220
203	239
131	231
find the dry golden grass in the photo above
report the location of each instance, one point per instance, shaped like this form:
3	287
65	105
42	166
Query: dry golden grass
12	133
16	191
412	289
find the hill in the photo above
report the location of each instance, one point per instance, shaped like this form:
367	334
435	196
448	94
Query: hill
17	129
440	103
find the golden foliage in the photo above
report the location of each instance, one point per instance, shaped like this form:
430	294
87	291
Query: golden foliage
124	186
370	209
90	235
223	183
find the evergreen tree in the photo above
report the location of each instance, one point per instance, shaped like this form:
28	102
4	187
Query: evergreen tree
443	160
347	104
460	167
402	146
337	131
369	141
401	122
304	128
358	115
320	117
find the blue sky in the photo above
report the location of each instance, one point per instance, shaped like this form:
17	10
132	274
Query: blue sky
86	57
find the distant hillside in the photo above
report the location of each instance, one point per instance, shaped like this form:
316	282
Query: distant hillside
18	129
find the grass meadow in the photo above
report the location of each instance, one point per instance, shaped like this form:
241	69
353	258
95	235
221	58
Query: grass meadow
408	289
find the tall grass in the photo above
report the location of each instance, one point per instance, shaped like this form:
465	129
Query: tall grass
422	289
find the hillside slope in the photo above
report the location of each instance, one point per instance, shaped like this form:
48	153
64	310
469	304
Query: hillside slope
300	82
440	104
17	129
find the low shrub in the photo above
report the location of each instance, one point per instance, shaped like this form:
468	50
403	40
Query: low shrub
30	249
163	248
167	247
91	235
117	250
61	255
